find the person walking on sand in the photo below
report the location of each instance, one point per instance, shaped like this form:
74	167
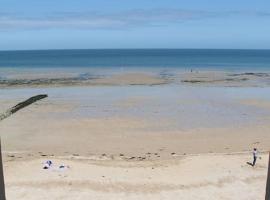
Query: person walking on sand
255	155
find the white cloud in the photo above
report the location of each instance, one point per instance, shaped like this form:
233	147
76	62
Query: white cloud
120	20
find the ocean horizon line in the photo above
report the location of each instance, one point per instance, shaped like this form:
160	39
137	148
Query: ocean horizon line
81	49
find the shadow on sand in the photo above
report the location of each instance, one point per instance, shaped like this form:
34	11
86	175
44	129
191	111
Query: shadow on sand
249	163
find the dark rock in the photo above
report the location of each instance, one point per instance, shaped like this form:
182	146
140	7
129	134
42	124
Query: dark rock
22	105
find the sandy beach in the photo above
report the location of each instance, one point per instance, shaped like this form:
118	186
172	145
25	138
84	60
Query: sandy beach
134	100
137	135
208	176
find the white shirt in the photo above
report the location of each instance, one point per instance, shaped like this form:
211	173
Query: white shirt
255	154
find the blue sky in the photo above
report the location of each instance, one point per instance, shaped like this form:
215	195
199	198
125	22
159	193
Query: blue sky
79	24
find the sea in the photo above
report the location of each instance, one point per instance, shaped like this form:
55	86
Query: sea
197	59
180	105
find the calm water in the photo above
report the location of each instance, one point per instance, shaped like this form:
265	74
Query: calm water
164	58
168	107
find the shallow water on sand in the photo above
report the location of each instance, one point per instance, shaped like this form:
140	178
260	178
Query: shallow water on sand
168	107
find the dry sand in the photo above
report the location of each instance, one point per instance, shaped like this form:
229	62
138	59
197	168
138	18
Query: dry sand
209	176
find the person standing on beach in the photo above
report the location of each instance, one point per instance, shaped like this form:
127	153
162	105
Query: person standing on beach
255	155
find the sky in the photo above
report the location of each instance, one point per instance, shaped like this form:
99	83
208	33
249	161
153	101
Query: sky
101	24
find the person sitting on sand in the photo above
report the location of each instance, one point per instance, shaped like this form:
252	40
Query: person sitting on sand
255	155
47	164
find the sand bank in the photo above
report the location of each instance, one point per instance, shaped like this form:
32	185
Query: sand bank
157	77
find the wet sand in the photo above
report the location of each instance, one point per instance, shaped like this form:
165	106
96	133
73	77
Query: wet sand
134	120
138	135
39	78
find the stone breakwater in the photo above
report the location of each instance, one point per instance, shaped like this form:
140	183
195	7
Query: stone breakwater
22	105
